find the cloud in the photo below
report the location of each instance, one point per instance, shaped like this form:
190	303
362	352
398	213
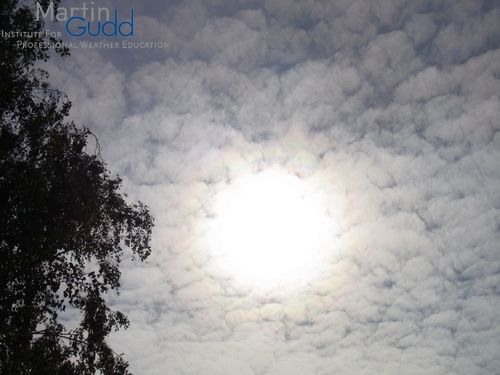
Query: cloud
394	108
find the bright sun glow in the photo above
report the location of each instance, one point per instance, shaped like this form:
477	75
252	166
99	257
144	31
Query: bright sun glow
271	230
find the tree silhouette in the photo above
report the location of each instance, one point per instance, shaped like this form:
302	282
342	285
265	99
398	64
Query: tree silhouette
64	225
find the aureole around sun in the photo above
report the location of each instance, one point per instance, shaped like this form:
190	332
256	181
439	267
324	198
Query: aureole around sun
271	230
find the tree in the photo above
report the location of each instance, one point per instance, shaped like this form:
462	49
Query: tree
64	225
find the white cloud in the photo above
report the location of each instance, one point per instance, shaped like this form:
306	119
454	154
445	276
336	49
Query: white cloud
395	109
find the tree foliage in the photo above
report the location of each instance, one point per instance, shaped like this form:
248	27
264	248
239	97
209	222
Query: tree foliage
64	225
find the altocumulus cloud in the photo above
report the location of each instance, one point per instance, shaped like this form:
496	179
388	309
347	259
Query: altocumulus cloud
393	105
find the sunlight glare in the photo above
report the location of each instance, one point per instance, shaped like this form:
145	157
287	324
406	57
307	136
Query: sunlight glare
271	229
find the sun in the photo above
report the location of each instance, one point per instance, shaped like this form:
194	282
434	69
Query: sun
271	230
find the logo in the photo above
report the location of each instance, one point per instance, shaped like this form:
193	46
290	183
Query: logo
89	20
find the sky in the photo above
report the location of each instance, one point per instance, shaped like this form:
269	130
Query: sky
392	107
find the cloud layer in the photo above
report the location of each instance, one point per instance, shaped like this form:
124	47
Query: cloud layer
393	106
